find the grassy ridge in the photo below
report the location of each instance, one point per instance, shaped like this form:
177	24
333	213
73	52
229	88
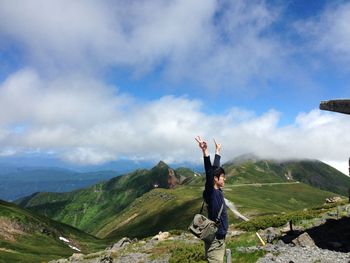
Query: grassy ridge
320	175
165	209
89	208
255	172
28	237
275	198
93	209
311	172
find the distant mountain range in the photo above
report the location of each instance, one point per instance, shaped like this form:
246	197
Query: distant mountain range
19	182
98	209
21	176
143	202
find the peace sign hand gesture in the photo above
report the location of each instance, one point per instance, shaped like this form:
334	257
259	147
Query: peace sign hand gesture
203	145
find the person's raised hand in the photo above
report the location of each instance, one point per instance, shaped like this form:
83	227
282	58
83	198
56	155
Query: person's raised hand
217	147
202	144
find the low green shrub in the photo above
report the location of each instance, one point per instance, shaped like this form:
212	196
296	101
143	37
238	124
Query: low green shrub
264	222
331	205
176	232
187	253
247	239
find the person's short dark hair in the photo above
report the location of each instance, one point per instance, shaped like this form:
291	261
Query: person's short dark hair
218	171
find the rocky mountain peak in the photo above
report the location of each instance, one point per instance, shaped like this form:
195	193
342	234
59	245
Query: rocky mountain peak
161	164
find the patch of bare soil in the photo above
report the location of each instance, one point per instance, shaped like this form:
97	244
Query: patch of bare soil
9	229
127	220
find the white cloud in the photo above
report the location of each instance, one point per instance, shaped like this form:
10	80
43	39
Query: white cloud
104	32
341	165
82	155
52	106
329	32
89	123
215	43
29	98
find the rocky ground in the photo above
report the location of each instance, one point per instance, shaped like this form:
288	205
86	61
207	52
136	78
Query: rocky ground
301	249
297	254
320	240
290	253
327	242
131	251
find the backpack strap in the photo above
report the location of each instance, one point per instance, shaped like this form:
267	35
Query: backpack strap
219	214
202	208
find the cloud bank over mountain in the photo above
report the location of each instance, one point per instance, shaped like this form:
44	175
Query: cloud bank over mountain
88	122
57	97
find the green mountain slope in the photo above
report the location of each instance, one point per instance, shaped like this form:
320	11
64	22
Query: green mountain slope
311	172
169	209
320	175
93	209
89	209
255	172
27	237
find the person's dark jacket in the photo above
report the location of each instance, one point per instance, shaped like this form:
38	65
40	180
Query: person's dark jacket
215	197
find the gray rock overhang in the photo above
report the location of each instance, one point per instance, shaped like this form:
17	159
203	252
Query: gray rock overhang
341	105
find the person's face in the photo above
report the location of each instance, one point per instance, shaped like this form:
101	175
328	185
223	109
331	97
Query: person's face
220	182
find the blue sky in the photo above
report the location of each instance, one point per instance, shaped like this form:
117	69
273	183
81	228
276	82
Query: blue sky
90	82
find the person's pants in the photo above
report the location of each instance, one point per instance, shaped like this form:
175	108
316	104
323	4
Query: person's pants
215	251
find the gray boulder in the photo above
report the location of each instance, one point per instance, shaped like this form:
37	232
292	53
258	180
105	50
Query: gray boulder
269	234
304	240
120	244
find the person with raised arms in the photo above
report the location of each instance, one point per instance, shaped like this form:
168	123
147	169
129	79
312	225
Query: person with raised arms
214	198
